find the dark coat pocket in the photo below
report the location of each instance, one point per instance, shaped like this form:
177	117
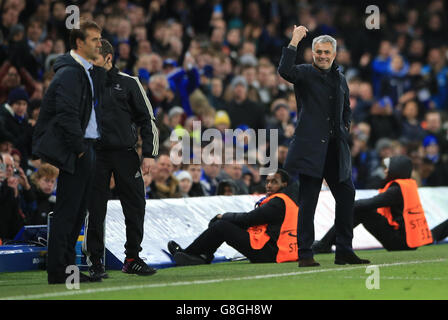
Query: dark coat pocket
52	149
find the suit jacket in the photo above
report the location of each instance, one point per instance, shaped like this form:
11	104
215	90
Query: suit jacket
308	148
59	132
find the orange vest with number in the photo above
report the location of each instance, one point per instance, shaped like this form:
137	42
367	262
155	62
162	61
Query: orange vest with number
416	227
287	240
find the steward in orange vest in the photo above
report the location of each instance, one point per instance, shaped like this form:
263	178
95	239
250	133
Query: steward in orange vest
266	234
395	216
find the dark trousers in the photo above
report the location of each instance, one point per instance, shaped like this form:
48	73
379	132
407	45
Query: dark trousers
73	193
125	166
378	226
224	231
344	195
440	231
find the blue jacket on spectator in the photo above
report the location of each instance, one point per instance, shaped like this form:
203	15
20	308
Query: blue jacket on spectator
380	68
441	97
184	83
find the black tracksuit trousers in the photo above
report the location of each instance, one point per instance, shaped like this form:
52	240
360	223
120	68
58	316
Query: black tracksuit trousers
378	226
224	231
125	166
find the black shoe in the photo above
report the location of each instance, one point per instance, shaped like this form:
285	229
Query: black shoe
174	247
310	262
137	266
185	259
97	271
349	258
85	278
320	247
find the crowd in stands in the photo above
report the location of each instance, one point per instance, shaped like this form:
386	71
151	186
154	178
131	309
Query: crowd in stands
216	62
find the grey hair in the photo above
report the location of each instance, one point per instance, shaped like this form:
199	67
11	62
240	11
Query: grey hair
324	39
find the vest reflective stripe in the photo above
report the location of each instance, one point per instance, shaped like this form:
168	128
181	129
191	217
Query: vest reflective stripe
287	240
416	226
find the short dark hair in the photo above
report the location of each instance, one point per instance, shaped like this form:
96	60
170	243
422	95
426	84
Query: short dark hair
106	48
284	175
223	184
82	32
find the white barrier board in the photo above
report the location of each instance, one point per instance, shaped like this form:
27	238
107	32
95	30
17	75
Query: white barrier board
182	220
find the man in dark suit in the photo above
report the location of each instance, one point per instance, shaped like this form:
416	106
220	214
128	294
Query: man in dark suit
64	136
319	148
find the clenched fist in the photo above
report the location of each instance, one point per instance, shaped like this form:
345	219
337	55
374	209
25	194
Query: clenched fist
298	34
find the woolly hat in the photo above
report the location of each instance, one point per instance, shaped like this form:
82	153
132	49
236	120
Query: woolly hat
17	94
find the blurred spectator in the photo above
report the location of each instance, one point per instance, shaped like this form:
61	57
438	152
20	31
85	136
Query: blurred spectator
411	129
433	126
233	171
15	121
175	118
210	171
185	183
437	70
43	183
397	81
57	22
226	188
164	184
383	120
182	81
380	65
160	94
215	94
125	59
361	100
195	173
241	110
282	153
33	111
283	123
11	218
364	160
19	192
383	150
11	77
222	122
436	169
16	156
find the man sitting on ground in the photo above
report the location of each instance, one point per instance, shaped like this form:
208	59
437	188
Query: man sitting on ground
395	216
266	234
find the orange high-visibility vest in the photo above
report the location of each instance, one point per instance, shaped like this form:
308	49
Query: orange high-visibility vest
287	240
416	226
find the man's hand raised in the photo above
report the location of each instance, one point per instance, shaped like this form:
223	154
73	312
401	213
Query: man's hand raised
298	34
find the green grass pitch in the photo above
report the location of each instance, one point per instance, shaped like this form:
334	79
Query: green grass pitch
420	274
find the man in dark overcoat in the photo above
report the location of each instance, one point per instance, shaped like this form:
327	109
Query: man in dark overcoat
319	148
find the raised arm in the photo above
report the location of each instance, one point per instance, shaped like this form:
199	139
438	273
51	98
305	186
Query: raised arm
287	68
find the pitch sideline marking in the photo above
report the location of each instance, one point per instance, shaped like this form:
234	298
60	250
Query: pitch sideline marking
184	283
